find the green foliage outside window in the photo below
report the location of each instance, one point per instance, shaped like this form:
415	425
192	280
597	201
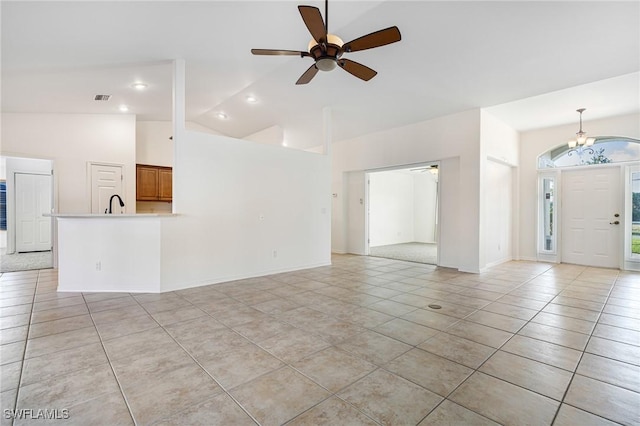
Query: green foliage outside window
599	158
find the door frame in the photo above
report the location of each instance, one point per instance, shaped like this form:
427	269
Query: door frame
631	263
18	164
367	199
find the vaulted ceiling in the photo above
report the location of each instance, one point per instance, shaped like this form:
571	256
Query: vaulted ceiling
542	59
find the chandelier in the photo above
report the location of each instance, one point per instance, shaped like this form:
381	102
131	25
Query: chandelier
582	143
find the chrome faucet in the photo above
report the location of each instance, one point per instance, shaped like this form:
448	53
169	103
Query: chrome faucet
111	200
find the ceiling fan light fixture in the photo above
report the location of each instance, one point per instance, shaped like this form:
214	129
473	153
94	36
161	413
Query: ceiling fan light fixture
326	64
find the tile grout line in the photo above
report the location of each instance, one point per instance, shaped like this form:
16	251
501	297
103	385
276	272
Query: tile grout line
26	341
575	372
224	389
285	363
477	369
115	376
328	314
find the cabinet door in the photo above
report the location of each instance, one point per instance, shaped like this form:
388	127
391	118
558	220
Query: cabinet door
165	179
147	183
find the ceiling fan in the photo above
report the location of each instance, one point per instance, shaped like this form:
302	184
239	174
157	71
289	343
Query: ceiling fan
327	49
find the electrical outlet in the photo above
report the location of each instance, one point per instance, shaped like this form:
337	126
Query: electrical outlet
98	266
275	253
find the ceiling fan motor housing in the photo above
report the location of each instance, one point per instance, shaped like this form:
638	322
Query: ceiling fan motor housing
327	53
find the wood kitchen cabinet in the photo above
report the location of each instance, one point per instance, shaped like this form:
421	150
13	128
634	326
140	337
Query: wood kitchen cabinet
153	183
165	184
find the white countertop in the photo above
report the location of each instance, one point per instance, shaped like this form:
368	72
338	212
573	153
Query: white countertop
108	216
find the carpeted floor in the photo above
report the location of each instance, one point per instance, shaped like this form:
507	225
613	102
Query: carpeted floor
26	261
411	252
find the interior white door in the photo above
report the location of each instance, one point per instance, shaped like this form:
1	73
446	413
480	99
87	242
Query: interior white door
33	200
590	200
106	181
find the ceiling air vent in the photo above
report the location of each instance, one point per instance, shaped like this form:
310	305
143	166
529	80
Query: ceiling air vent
102	97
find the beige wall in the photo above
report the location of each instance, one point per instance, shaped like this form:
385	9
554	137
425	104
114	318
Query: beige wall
72	141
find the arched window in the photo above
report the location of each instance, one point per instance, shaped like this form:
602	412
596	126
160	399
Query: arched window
606	149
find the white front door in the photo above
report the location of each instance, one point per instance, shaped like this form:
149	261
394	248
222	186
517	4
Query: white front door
106	181
591	199
33	200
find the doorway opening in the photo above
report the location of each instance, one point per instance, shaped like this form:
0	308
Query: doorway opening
27	241
403	213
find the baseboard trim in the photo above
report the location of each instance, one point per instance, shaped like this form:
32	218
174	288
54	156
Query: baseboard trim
225	279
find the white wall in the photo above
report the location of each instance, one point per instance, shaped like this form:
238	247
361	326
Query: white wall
71	141
113	254
153	145
391	208
244	209
425	195
452	213
402	207
497	197
454	138
536	142
273	135
499	154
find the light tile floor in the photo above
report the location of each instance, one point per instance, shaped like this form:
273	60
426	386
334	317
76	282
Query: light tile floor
354	343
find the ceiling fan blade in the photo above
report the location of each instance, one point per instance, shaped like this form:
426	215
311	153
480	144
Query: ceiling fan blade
376	39
275	52
362	72
308	75
313	20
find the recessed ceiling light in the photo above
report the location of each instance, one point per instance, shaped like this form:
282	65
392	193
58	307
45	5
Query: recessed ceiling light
252	99
124	108
222	116
139	86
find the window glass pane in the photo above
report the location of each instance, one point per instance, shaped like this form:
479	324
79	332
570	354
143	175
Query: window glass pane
635	214
548	216
604	150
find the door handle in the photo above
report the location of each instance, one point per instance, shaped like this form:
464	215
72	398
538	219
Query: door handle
617	222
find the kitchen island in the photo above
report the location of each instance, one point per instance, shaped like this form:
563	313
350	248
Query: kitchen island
110	252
